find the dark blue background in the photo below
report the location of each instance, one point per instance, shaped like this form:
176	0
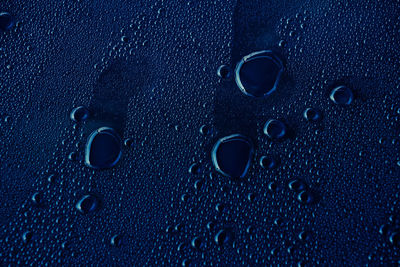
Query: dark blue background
160	83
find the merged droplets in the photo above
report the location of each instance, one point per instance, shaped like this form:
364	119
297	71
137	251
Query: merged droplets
231	155
103	149
258	73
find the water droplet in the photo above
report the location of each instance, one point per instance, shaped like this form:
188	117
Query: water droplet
194	168
258	73
116	240
205	130
304	236
210	226
341	95
297	185
87	203
231	155
275	129
196	242
395	238
128	142
223	237
224	72
79	114
272	186
6	21
267	162
103	149
311	114
305	197
73	156
27	236
37	198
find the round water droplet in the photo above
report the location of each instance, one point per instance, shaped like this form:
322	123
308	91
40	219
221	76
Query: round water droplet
223	237
196	242
305	197
231	155
37	198
258	74
210	225
341	95
311	114
267	162
79	114
87	203
103	149
194	168
73	156
116	240
304	236
224	72
205	130
6	21
27	236
395	238
275	129
272	186
128	142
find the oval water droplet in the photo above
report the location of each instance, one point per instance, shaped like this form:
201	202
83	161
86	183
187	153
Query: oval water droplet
79	114
267	162
103	149
27	236
6	21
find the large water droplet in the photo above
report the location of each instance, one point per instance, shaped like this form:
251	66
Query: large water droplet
231	155
103	148
258	73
